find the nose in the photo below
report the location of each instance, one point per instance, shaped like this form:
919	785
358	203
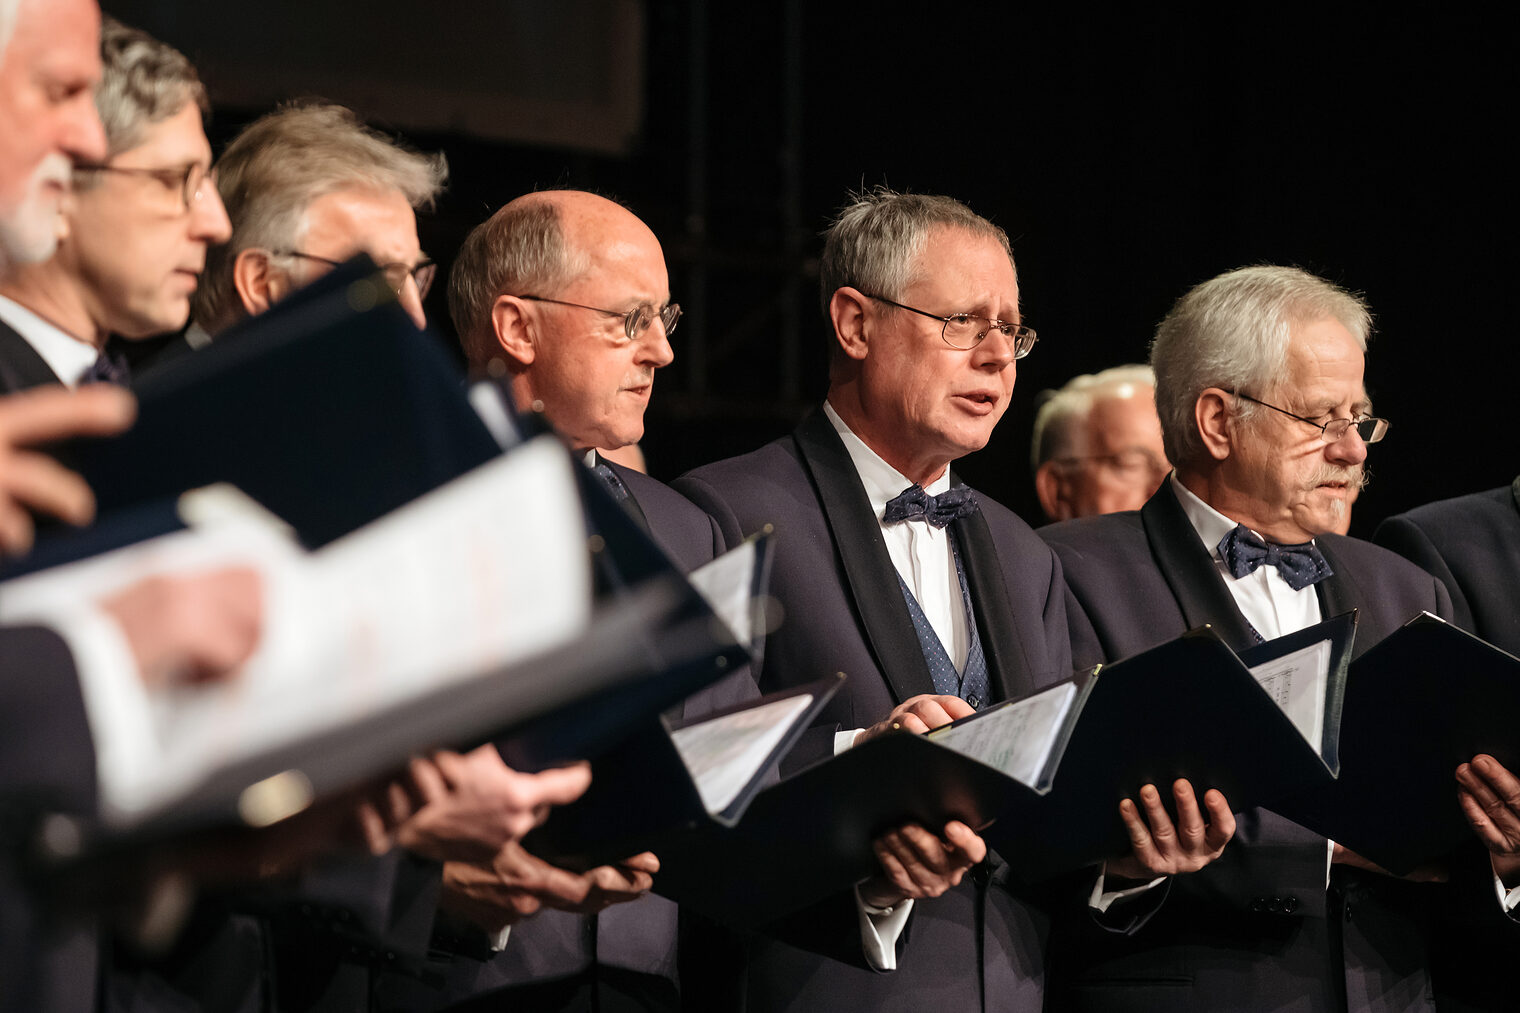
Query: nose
654	346
80	135
208	216
994	352
410	298
1349	449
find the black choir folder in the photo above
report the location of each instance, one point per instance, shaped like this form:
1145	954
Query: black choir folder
331	409
1425	699
1041	777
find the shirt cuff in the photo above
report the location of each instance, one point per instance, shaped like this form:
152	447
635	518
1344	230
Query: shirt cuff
498	940
116	703
845	740
1508	899
1101	899
879	929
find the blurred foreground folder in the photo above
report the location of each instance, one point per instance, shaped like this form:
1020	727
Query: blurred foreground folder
331	410
1427	698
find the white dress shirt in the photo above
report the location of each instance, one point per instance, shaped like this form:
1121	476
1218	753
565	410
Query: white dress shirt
65	355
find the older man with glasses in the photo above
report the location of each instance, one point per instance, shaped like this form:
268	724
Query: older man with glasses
308	187
1264	414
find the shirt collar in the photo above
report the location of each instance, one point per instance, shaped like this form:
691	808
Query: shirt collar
65	355
1211	525
882	481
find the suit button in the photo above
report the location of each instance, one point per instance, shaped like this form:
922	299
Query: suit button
1258	904
975	701
1290	905
1348	912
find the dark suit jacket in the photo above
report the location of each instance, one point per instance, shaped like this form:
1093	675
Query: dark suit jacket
1139	579
1472	543
20	365
47	763
843	611
639	937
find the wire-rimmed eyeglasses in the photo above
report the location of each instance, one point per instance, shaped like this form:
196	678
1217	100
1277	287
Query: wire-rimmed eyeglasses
192	180
966	330
635	321
1370	429
396	272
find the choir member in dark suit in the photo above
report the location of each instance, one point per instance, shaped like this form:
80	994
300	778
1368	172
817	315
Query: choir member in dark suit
1263	411
933	599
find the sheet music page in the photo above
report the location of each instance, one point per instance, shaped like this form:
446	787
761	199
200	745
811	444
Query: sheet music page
723	753
488	570
1296	683
1015	738
725	584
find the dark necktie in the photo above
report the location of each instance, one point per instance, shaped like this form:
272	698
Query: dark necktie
615	486
913	504
1298	565
110	367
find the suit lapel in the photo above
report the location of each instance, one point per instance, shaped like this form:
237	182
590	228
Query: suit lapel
1189	570
1338	592
871	578
20	365
1008	668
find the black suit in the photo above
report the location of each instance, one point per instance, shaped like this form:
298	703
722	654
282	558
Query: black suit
844	611
1138	580
1472	543
628	953
20	365
47	763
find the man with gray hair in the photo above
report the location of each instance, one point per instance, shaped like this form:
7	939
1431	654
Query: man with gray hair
135	233
1097	444
936	600
307	187
1264	415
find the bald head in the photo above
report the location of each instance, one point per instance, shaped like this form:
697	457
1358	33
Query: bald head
562	291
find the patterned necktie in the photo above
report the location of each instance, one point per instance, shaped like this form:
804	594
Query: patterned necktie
1298	565
110	367
913	504
615	486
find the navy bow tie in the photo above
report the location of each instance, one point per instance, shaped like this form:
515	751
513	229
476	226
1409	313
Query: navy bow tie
1298	565
913	504
110	367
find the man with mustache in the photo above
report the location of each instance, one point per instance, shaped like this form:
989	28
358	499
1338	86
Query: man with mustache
1259	390
135	234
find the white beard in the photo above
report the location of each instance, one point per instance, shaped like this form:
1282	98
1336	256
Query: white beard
29	232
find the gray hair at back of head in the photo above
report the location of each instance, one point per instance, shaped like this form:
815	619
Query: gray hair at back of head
144	81
874	242
520	250
282	162
1233	332
1059	411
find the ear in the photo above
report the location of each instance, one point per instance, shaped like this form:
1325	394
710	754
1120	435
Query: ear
1212	415
1050	488
511	327
259	285
847	310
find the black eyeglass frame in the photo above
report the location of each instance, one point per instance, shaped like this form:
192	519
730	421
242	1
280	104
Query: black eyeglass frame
1023	338
191	187
1341	426
421	273
634	325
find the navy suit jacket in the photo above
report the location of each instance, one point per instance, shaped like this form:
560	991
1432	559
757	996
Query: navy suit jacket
1256	930
844	612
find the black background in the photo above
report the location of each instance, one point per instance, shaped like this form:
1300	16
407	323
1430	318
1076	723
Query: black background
1130	152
